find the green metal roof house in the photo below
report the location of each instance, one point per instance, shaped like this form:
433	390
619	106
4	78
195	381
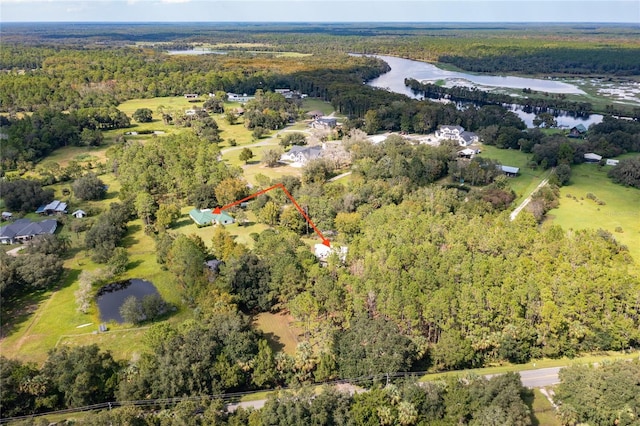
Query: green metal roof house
207	217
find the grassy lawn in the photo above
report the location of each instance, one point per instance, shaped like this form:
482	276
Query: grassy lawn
179	103
42	321
278	329
171	103
311	104
621	209
527	180
53	318
82	154
542	411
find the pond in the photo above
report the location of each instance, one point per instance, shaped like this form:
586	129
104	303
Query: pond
425	72
112	296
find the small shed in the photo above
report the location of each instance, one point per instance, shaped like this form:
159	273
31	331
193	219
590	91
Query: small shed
590	157
79	214
510	170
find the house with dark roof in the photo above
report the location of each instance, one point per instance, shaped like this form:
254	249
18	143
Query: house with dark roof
54	207
23	230
206	217
578	131
324	123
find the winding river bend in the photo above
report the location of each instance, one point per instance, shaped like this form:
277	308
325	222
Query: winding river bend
422	71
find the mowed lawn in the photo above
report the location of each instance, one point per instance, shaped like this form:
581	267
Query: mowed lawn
527	180
621	209
53	318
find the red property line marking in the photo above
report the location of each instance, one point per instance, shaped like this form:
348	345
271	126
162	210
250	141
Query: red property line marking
325	241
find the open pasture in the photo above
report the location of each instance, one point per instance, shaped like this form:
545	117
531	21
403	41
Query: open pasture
528	178
620	213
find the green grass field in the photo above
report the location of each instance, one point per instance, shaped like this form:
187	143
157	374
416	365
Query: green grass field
527	180
543	412
620	212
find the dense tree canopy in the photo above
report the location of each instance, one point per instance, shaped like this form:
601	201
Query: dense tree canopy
24	195
603	395
435	276
89	187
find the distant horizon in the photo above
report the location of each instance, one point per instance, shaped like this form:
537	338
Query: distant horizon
474	23
327	11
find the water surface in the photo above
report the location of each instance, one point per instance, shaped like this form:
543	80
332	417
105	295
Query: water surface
422	71
112	296
429	73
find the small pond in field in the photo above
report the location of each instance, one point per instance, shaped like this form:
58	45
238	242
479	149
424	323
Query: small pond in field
112	296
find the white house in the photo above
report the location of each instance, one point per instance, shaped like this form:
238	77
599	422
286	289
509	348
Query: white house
323	252
302	154
611	162
456	133
449	132
234	97
79	214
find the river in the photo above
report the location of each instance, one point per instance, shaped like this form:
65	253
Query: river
425	72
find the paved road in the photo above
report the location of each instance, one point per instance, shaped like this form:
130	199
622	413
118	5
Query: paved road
540	378
537	378
530	378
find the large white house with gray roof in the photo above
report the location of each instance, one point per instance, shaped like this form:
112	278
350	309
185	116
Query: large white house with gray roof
458	134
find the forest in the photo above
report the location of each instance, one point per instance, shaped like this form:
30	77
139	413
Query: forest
437	276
